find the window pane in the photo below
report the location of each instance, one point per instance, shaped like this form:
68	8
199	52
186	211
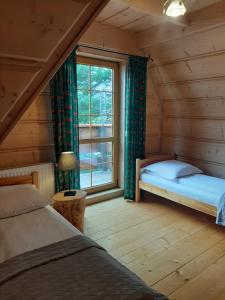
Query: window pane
101	126
101	78
96	121
85	156
84	131
102	174
84	119
85	165
101	103
83	72
83	102
85	179
84	127
101	153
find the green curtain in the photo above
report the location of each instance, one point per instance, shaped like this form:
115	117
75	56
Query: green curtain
63	89
135	114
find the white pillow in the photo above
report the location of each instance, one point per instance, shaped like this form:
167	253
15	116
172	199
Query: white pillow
19	199
172	169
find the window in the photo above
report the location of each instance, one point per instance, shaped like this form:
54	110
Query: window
98	126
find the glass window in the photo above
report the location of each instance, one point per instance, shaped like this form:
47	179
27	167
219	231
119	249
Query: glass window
97	126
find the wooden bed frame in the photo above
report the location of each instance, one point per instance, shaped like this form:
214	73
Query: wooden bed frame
24	179
140	185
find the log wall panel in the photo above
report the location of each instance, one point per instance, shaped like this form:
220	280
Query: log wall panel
24	157
203	108
153	125
153	116
12	84
207	129
188	47
187	147
210	168
152	144
204	67
189	75
31	140
194	89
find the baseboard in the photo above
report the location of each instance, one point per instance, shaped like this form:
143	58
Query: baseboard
103	196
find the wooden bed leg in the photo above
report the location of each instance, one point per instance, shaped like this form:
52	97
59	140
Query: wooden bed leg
137	189
138	195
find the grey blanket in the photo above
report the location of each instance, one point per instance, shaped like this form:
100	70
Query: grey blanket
76	268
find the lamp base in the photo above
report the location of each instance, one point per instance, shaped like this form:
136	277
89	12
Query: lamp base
69	193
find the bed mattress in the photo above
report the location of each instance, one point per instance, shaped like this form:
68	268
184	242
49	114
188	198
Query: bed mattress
33	230
200	187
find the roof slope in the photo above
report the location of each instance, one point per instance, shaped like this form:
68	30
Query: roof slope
36	37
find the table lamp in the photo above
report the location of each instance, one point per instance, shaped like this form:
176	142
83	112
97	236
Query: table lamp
67	163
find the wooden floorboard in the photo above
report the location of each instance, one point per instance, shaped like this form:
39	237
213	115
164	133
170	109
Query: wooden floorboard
174	249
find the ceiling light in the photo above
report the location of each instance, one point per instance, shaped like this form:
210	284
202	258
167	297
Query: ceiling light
174	8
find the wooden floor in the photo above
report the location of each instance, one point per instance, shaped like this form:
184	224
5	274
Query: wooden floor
175	250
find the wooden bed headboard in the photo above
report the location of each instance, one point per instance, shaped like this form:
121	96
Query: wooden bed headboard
140	163
24	179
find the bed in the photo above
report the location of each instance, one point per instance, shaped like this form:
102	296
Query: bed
199	191
42	256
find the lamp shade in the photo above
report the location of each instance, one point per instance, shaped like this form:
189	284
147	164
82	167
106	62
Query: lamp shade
174	8
67	161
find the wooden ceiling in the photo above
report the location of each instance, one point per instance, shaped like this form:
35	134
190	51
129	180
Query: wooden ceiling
36	37
193	5
139	15
119	14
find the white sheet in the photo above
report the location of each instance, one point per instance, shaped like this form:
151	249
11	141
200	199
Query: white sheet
191	186
204	182
33	230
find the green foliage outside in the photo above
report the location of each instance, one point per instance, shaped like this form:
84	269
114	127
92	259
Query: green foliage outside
94	94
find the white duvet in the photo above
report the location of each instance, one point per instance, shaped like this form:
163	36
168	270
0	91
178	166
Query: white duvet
207	189
215	186
33	230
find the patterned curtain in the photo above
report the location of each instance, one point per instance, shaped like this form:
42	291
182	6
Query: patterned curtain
135	113
65	119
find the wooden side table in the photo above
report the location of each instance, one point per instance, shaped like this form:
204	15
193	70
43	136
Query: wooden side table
71	207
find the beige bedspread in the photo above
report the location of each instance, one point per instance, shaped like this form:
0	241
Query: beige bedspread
33	230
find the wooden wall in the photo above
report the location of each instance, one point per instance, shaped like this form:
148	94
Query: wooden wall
106	36
36	38
189	75
31	140
153	116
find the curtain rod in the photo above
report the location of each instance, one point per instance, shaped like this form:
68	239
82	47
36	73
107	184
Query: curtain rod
111	51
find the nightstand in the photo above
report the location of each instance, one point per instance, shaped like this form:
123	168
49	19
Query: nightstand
71	207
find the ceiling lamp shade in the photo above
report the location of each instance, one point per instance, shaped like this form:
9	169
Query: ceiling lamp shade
174	8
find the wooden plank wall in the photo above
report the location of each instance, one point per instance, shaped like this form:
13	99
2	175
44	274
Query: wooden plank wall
31	140
153	115
36	38
189	73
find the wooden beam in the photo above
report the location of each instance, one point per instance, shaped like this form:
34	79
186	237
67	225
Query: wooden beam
155	8
201	20
37	82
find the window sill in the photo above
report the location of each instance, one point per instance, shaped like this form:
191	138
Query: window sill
103	196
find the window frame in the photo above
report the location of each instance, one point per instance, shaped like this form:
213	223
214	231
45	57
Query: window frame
115	135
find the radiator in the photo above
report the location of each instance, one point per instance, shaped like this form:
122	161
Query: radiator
45	175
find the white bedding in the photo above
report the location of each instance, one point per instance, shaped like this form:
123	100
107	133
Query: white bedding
204	182
203	188
33	230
